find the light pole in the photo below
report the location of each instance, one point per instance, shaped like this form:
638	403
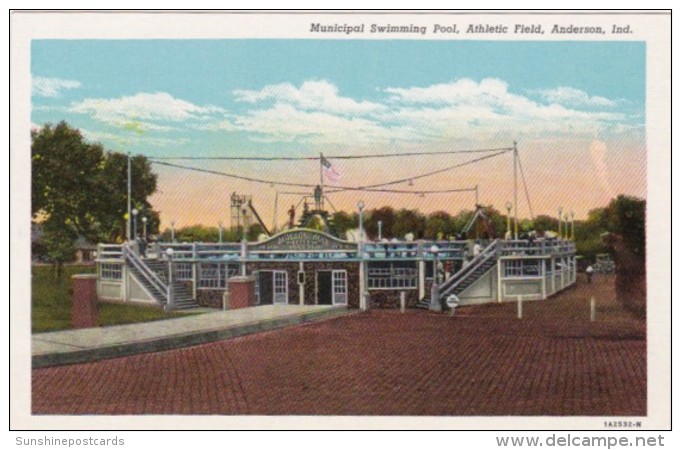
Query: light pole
127	223
144	227
365	281
509	205
560	222
134	222
435	290
172	231
171	289
220	232
243	227
380	230
572	220
435	250
360	206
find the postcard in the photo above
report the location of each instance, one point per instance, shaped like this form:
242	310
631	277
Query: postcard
402	220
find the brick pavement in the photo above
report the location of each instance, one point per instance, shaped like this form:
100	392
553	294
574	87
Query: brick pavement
483	361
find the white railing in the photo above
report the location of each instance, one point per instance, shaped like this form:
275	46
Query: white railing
109	252
455	280
536	247
146	272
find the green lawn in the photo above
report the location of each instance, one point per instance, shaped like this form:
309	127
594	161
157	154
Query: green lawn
51	303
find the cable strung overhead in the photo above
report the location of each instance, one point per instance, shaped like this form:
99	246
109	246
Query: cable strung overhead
427	174
317	158
337	188
394	191
401	191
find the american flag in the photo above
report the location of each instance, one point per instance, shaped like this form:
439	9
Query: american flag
330	172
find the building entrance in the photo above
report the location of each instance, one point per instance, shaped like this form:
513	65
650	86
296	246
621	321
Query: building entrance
272	287
332	287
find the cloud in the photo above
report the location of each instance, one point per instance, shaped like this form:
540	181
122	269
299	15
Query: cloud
489	110
313	95
286	123
462	91
143	110
126	140
51	87
481	111
571	96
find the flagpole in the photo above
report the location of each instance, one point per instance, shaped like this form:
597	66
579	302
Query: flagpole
321	179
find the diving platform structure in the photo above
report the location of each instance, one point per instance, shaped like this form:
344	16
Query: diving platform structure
301	262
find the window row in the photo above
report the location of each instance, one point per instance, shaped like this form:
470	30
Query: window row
392	277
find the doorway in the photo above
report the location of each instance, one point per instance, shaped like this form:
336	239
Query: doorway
332	287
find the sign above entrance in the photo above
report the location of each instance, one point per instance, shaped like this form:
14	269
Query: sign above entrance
303	239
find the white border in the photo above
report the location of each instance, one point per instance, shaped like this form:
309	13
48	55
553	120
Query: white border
654	29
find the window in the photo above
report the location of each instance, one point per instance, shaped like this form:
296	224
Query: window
392	276
340	287
215	275
522	268
183	271
280	287
111	271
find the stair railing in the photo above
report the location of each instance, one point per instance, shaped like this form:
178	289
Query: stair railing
455	280
144	270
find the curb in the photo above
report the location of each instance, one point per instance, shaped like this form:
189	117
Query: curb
180	340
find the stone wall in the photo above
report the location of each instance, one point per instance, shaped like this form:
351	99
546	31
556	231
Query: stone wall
384	298
310	268
211	298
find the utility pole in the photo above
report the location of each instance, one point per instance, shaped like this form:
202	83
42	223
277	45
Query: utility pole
515	188
274	219
321	179
477	200
128	228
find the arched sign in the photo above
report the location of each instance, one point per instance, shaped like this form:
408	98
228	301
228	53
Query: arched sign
303	239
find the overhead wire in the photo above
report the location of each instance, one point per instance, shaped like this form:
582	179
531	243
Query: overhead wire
527	194
337	188
317	158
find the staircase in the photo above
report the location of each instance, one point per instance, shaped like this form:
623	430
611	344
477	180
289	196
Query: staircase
153	275
469	274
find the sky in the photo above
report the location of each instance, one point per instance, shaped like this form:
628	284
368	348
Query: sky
575	109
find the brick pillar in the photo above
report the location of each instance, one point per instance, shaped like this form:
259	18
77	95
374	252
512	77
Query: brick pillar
241	292
84	302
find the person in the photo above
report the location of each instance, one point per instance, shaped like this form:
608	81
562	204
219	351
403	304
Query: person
318	197
477	248
589	273
143	247
291	216
466	258
440	272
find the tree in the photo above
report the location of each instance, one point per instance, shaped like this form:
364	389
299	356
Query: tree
112	207
80	190
343	221
386	215
544	223
440	225
409	221
627	217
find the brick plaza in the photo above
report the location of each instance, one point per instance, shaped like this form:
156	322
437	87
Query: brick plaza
482	361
